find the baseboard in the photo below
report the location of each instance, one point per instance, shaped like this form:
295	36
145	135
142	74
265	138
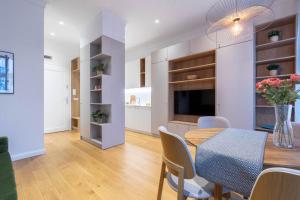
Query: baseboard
55	130
28	154
141	132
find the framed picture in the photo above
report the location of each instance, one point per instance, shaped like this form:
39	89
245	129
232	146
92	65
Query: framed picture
6	72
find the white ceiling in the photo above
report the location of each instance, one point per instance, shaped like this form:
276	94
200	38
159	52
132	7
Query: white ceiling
176	17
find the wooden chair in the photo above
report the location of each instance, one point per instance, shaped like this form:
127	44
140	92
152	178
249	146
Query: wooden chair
181	175
277	184
213	122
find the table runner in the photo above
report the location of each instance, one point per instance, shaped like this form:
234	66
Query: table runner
232	158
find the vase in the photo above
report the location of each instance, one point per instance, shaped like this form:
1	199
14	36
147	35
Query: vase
274	38
283	136
273	72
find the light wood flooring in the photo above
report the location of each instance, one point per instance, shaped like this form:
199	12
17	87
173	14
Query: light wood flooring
73	169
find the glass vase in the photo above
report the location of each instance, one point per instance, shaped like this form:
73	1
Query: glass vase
283	136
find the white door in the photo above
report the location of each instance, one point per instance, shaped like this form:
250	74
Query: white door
55	101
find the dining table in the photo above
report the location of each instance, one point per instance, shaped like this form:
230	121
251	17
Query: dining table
273	156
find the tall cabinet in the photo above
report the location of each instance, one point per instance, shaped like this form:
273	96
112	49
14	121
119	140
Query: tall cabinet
102	93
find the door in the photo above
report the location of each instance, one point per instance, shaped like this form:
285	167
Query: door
55	100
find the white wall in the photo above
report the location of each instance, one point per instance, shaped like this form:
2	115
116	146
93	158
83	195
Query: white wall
21	114
62	53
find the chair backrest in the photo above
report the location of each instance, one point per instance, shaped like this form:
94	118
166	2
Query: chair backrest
213	122
175	151
296	129
277	184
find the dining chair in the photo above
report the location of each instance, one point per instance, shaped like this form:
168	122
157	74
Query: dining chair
213	122
276	184
296	129
181	174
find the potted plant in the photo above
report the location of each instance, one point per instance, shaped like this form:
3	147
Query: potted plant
99	117
100	68
274	35
273	69
282	95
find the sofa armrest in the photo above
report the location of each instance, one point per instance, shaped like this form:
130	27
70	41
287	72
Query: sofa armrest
3	144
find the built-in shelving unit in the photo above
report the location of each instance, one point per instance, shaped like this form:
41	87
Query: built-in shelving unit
194	72
75	86
283	53
103	67
142	72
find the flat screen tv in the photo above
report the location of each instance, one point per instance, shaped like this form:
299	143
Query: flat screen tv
195	102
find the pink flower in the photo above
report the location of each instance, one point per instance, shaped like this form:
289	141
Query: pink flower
259	86
295	77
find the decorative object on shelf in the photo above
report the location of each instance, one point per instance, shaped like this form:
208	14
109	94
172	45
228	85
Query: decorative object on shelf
100	117
133	99
274	35
100	68
97	87
273	69
6	72
191	77
282	95
229	20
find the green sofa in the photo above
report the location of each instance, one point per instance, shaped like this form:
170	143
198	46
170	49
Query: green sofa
8	189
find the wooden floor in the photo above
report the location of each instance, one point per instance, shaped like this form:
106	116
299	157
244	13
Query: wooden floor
73	169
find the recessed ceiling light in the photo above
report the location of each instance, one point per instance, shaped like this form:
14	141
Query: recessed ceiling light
157	21
61	23
52	34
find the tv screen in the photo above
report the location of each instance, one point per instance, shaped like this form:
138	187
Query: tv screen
195	102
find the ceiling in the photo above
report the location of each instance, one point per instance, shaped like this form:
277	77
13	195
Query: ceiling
176	17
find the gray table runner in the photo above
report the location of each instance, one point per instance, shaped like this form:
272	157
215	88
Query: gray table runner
232	158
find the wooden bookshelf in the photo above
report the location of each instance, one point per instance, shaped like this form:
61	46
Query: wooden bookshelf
283	53
75	92
142	72
194	72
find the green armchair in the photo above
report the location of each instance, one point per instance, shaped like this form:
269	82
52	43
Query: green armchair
8	189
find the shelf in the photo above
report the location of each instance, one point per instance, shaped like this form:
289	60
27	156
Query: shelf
98	90
96	77
98	104
194	80
97	140
282	59
143	73
278	76
77	118
100	56
200	67
76	70
182	122
98	124
263	129
276	44
74	127
264	106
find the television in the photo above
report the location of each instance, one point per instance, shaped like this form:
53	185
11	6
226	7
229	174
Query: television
195	102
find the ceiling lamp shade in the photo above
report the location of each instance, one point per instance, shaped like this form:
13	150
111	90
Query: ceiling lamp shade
229	20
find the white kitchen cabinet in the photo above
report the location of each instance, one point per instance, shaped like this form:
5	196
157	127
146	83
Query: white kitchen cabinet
138	118
148	71
235	84
201	44
179	50
132	74
159	97
159	56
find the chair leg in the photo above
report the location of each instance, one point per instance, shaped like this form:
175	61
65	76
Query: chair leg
161	180
180	195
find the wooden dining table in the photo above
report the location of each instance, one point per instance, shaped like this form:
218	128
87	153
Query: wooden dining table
273	156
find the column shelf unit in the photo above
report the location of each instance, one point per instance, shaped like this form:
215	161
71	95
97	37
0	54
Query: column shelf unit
103	87
142	72
282	53
75	90
193	72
